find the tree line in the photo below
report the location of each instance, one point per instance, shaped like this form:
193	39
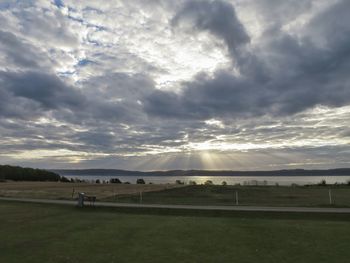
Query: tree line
17	173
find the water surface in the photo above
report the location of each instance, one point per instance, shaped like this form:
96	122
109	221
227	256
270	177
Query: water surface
231	180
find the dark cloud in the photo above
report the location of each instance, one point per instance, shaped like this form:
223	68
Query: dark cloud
286	75
217	17
204	98
114	97
330	29
275	13
45	89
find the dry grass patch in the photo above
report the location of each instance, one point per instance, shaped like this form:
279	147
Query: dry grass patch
58	190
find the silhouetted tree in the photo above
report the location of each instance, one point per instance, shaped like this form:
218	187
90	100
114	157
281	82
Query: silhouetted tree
208	182
64	179
179	182
140	181
115	181
323	183
17	173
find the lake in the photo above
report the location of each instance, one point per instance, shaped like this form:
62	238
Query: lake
231	180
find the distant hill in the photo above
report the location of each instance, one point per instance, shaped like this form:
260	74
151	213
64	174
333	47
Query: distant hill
116	172
17	173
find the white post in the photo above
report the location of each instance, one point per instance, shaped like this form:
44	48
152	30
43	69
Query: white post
236	197
140	196
81	199
330	196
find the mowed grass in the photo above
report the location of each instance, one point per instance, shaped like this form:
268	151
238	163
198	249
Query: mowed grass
247	195
48	233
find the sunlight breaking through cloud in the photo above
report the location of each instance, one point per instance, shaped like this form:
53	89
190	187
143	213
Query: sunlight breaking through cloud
175	84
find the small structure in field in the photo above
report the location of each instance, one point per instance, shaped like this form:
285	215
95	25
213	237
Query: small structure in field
83	197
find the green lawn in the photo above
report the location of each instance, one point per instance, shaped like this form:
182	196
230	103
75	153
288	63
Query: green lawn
247	195
48	233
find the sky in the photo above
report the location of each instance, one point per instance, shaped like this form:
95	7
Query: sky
162	84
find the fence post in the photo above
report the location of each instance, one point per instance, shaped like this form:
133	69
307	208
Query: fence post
330	196
140	197
236	197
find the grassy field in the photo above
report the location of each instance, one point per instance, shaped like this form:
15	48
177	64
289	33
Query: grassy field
247	195
58	190
178	194
46	233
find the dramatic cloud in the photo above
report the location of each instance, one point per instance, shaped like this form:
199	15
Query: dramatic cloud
47	90
217	17
285	74
256	84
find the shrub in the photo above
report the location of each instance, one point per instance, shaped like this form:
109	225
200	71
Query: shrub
115	181
179	182
140	181
208	182
323	183
64	179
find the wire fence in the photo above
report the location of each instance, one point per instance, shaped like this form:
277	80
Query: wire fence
244	195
